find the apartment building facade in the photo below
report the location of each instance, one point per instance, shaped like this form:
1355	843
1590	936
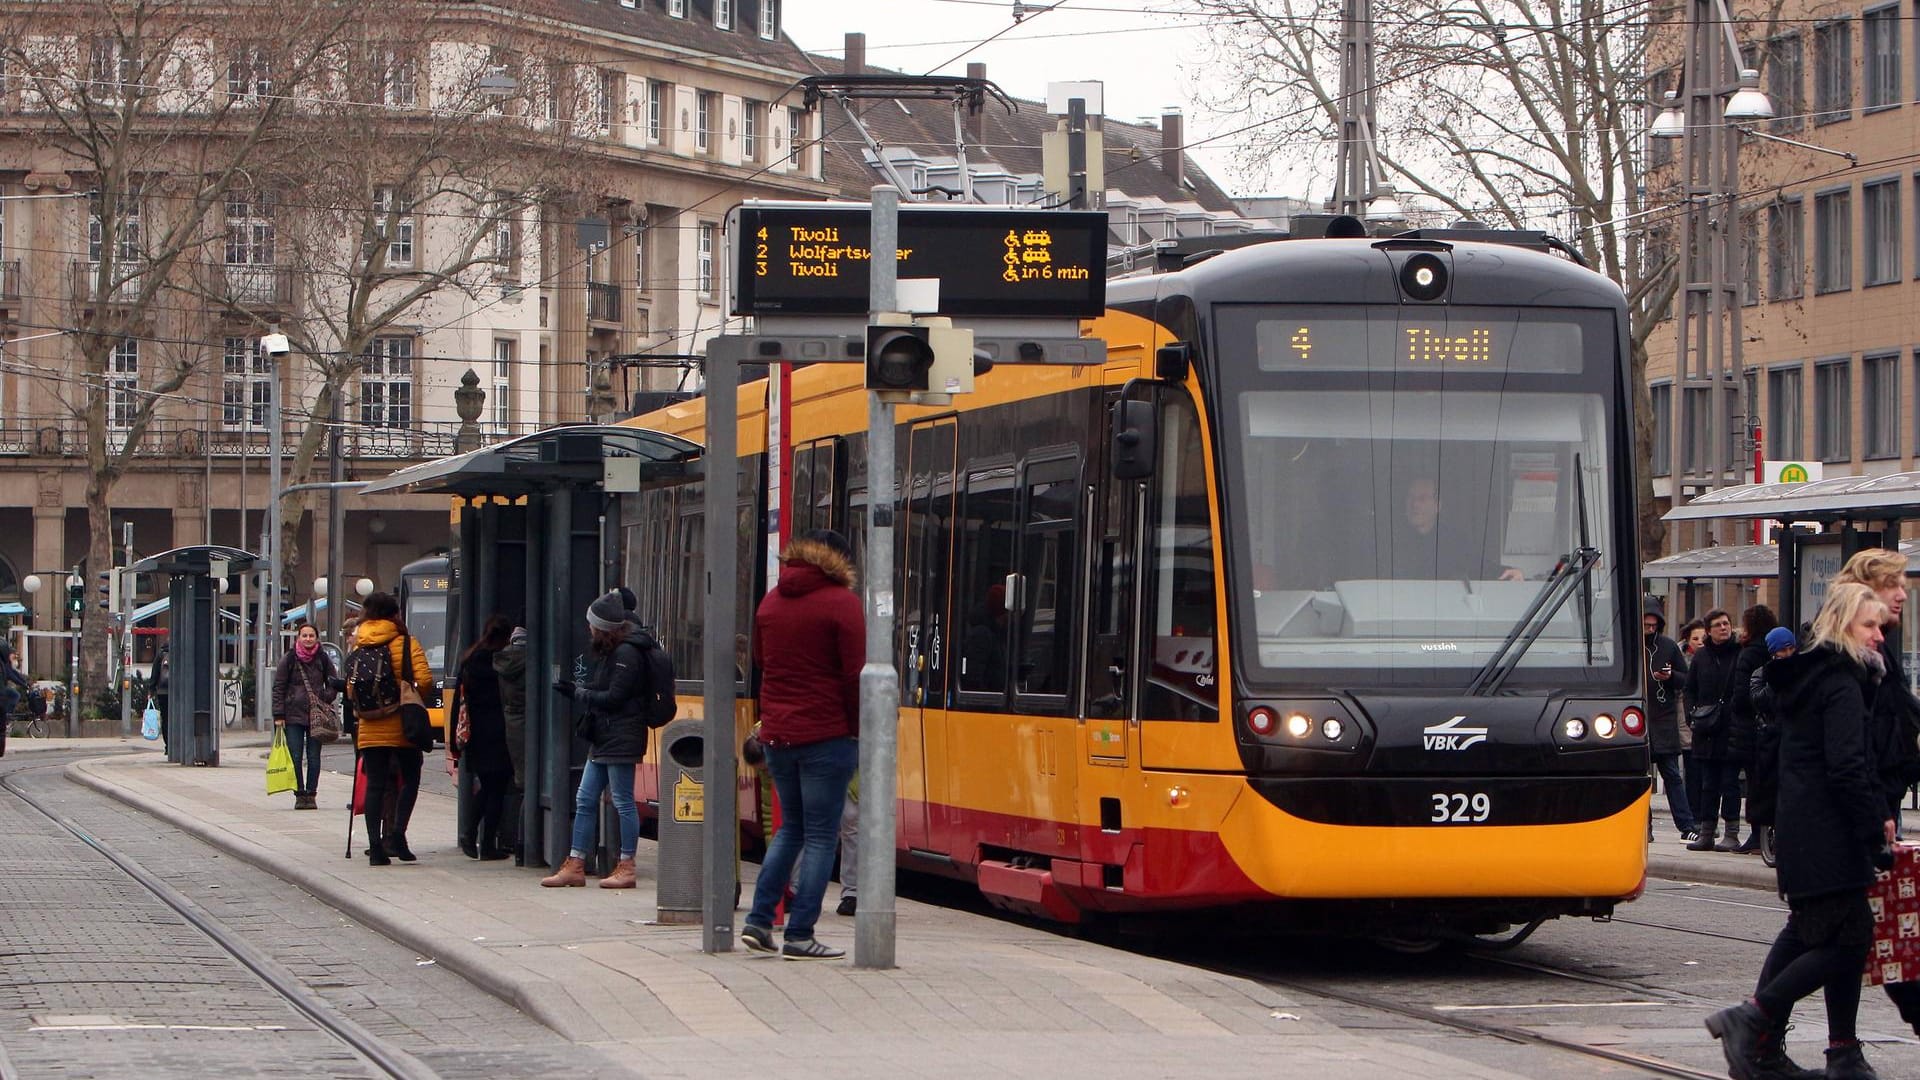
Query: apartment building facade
1827	271
678	109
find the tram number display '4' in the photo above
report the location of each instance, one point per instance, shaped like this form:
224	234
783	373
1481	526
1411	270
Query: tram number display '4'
814	260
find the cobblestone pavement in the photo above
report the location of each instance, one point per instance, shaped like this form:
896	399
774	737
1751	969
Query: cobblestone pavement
101	979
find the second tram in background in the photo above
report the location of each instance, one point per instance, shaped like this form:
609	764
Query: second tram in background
1321	595
425	596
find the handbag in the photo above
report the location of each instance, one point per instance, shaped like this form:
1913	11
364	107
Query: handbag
1707	720
323	718
150	722
280	777
416	726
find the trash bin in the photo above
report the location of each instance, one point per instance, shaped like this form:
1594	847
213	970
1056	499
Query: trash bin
683	805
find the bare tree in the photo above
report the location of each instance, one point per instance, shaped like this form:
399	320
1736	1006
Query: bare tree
412	191
1526	115
159	106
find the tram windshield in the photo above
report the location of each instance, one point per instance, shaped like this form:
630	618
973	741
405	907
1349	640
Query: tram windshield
1407	483
426	617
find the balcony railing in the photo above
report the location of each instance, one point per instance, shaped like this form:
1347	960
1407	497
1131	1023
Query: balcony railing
248	285
9	279
124	288
169	439
603	302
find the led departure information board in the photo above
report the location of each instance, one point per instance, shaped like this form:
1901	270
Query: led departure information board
814	260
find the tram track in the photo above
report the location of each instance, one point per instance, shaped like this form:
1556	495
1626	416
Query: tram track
370	1048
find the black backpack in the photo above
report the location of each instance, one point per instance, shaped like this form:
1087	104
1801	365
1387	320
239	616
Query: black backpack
372	685
657	703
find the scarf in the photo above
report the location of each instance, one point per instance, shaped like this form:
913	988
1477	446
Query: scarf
305	652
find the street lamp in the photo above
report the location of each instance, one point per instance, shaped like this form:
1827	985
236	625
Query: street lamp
364	587
319	588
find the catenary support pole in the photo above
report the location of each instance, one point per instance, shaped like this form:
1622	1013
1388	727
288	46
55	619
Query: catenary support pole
270	600
336	527
720	825
127	578
873	927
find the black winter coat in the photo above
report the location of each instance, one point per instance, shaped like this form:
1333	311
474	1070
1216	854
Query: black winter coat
614	697
290	681
1743	727
1892	721
510	665
1663	698
1829	821
479	692
1763	769
1712	679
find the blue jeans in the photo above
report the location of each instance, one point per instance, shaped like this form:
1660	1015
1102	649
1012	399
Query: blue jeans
1670	778
617	781
811	782
301	748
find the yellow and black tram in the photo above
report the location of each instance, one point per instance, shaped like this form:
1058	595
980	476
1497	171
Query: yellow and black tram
425	595
1320	592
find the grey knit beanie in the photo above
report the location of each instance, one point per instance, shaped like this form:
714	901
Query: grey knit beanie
607	614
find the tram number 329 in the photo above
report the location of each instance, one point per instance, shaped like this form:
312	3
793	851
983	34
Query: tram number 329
1459	808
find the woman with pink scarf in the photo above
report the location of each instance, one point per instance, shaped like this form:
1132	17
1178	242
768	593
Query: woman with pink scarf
304	678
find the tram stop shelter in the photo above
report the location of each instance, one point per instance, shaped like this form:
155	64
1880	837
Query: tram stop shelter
194	578
1851	513
536	541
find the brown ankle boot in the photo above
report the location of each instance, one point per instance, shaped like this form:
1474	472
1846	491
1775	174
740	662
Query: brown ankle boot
621	878
571	875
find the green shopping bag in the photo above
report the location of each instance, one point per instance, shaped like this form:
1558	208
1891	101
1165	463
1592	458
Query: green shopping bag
280	765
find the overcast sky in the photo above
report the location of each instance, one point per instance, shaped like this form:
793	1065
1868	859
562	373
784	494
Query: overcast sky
1145	60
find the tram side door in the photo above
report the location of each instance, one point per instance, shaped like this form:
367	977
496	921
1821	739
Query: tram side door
926	537
1110	654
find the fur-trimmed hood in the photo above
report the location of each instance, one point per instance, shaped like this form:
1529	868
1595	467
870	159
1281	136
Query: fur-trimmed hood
809	564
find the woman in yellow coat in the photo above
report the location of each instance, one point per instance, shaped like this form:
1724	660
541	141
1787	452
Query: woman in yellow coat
386	757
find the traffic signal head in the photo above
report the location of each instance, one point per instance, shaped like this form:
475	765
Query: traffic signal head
76	598
954	365
898	360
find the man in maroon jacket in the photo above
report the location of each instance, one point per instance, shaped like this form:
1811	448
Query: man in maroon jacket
810	641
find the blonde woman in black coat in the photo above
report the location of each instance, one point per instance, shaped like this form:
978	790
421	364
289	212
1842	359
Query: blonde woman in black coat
1832	829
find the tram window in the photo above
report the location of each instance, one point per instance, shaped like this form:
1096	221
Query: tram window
800	504
1183	616
989	518
687	620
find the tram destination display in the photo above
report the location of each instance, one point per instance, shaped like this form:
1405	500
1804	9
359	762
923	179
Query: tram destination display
814	260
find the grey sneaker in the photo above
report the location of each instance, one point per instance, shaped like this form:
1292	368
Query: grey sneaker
757	938
810	949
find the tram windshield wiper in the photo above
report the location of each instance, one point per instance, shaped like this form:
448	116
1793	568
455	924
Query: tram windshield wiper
1573	571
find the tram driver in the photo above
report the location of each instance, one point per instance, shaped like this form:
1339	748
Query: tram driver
1422	551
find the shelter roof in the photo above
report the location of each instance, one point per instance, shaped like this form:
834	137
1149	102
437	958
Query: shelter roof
1841	498
1742	561
198	559
574	455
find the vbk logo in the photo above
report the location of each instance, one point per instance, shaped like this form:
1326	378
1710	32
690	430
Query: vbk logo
1454	734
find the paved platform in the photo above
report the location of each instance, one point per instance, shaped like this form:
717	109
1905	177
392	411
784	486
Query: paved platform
972	995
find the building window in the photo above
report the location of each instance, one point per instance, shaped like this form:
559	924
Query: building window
127	249
639	256
677	8
1662	395
386	383
249	82
1880	31
1880	203
1832	72
111	72
656	103
750	129
1786	251
1785	414
612	90
705	260
1833	242
769	19
394	223
723	14
399	78
1880	405
506	229
796	138
1750	257
246	384
1833	410
703	121
500	394
1787	81
250	240
123	379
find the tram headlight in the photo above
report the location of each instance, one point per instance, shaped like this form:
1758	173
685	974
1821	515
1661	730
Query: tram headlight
1298	725
1603	726
1576	728
1332	729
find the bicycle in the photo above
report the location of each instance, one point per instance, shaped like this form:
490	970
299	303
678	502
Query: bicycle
30	712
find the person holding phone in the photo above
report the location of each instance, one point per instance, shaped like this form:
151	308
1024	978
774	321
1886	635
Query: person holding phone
1666	673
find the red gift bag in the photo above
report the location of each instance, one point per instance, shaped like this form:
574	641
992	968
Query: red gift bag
359	785
1895	901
